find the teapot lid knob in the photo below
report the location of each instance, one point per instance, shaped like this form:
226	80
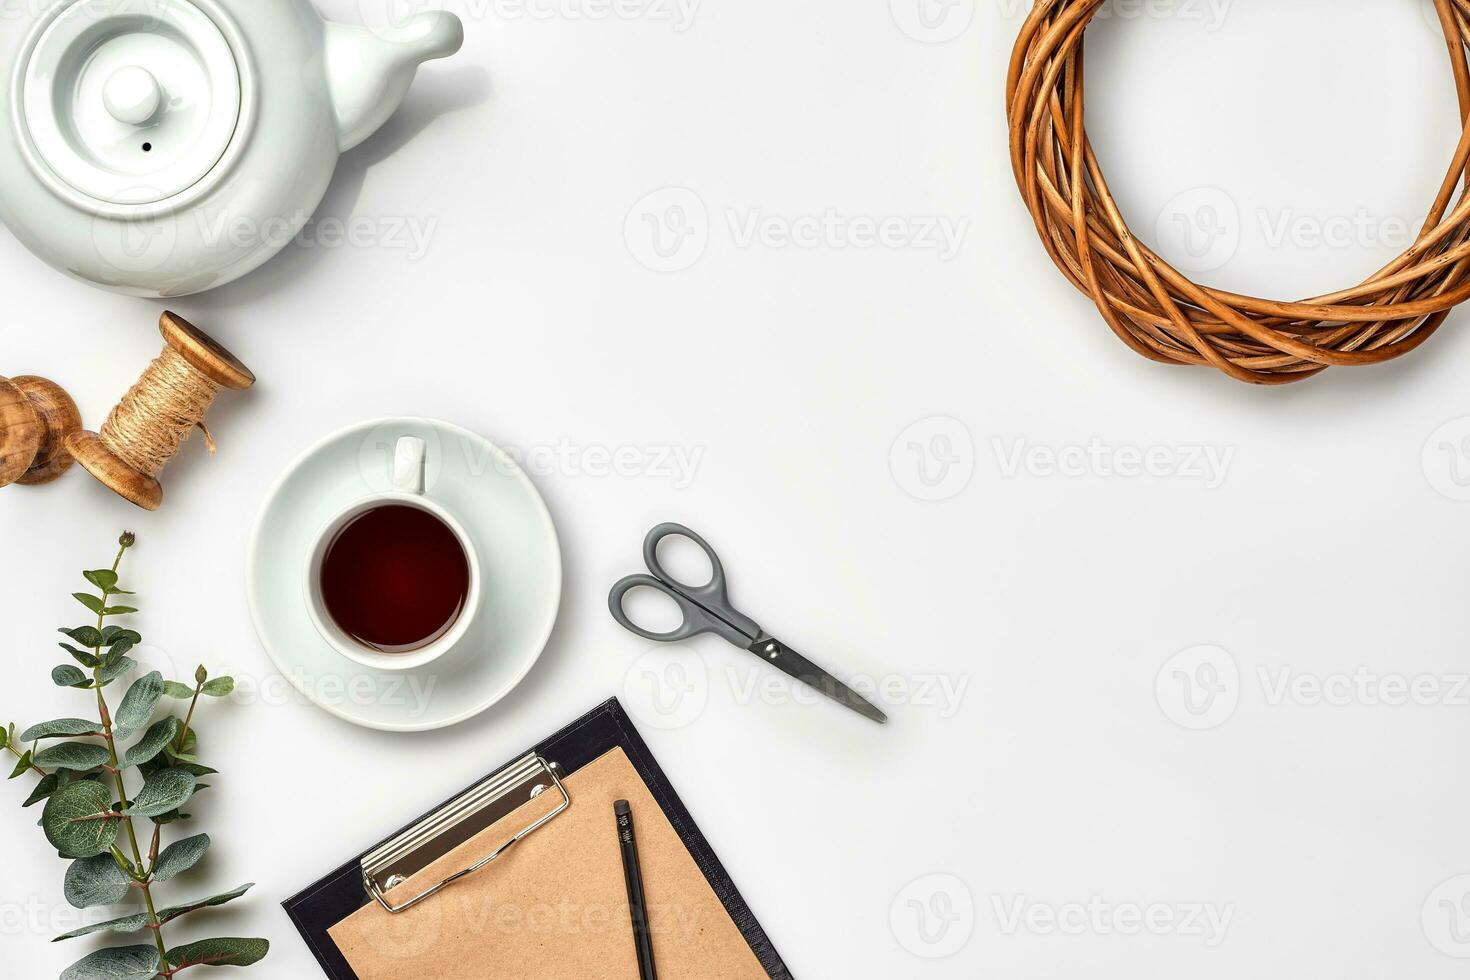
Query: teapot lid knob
132	95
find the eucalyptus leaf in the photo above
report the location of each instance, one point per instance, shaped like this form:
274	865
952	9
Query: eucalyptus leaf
111	672
60	728
165	790
4	738
124	963
22	767
104	578
169	914
175	690
220	687
90	601
184	751
77	756
117	651
88	660
87	636
138	704
128	923
48	785
73	823
69	676
153	741
96	881
119	610
213	952
111	634
180	856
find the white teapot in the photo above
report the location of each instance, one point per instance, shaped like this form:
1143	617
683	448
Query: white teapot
166	147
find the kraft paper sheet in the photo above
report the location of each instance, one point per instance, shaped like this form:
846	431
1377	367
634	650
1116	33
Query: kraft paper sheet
555	906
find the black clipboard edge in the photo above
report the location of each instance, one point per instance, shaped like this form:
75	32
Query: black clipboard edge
330	900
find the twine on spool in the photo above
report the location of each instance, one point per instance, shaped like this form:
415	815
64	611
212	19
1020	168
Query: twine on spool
146	428
157	414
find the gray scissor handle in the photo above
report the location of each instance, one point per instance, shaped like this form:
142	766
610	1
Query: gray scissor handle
706	608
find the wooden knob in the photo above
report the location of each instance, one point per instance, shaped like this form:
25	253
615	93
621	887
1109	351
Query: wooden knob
205	356
36	417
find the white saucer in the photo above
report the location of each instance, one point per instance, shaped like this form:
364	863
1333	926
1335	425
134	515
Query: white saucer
521	564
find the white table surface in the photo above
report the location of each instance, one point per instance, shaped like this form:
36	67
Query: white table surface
1049	816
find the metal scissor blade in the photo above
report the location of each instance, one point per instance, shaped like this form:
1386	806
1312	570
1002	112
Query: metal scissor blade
773	651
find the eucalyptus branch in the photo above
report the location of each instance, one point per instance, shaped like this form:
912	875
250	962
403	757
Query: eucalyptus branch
84	820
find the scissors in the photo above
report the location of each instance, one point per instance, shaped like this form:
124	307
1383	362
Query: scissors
707	609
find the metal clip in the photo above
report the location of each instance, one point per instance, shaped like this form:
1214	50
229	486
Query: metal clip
457	822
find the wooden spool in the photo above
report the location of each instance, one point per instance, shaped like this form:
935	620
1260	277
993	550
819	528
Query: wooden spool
36	417
101	458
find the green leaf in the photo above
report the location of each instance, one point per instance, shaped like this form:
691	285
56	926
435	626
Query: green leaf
118	650
87	636
22	767
180	692
90	601
60	728
212	952
185	751
197	770
119	610
96	881
165	790
47	785
104	578
72	820
77	756
4	738
111	634
169	914
111	672
220	687
153	741
126	963
138	704
68	676
128	923
180	856
88	660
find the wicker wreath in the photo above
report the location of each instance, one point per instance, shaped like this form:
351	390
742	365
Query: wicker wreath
1159	312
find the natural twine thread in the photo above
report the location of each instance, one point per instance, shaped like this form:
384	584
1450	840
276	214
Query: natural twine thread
1158	311
157	414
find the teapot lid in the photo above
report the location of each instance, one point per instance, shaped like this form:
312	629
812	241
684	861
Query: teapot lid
131	104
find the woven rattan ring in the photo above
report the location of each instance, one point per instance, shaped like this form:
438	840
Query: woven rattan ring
1159	312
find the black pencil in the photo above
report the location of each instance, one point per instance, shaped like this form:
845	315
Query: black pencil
637	907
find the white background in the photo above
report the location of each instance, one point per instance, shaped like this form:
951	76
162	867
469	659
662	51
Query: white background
1330	539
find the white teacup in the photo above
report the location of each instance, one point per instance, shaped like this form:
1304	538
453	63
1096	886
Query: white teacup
406	489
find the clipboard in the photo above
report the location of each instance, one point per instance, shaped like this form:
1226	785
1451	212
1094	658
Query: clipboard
495	826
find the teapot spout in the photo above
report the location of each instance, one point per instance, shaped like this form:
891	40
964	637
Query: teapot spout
370	71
